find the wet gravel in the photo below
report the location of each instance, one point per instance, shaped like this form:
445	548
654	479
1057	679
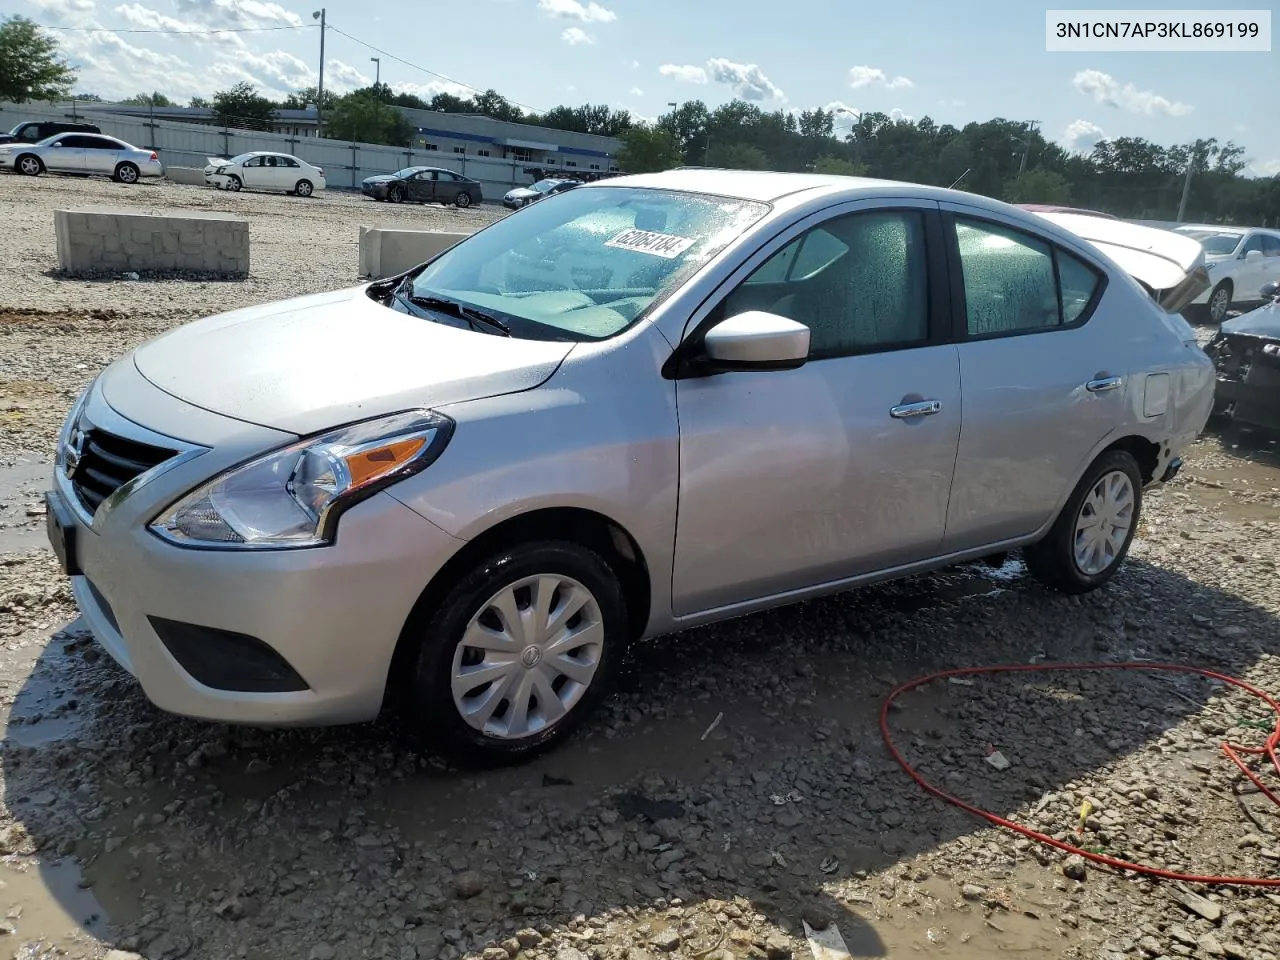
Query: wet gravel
734	794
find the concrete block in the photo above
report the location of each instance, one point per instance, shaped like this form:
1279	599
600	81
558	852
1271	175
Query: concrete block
188	175
93	240
385	251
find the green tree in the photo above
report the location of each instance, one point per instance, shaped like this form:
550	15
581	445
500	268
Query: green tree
839	166
30	68
361	117
242	106
648	150
198	102
737	156
154	99
1038	186
307	96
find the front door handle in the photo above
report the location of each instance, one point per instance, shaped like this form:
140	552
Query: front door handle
922	408
1103	384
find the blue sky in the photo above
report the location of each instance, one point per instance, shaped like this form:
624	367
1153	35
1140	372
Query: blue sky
950	61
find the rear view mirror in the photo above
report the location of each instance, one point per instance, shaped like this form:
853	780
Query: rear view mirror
1270	291
756	340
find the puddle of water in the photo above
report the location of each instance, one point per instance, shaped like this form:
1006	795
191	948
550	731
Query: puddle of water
44	712
18	531
44	902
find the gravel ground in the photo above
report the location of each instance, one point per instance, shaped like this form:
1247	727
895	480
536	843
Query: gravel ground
734	791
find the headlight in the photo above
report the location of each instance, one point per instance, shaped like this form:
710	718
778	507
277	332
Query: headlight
292	497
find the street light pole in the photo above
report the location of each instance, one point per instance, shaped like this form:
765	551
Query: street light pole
1022	168
319	15
377	74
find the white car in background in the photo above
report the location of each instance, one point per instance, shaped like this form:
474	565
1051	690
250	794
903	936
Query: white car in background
263	170
82	154
1239	259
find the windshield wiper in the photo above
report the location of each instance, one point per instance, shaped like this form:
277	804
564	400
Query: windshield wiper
470	314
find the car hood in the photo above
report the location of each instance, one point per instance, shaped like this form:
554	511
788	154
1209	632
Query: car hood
380	178
1170	264
311	363
523	192
1262	322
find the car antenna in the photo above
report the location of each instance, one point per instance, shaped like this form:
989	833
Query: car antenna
961	177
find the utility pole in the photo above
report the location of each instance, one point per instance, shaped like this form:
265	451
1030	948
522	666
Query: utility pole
1186	187
1031	126
319	15
377	73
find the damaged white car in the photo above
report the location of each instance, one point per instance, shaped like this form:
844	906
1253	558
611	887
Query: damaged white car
647	403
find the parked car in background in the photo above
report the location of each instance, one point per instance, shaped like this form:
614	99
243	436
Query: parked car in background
265	170
655	402
523	196
37	130
1246	353
83	154
423	185
1239	259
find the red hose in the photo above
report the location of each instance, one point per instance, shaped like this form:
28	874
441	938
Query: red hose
1269	749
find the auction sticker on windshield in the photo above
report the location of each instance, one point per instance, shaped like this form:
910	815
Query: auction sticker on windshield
643	241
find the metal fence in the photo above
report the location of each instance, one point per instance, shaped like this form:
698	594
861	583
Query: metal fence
345	164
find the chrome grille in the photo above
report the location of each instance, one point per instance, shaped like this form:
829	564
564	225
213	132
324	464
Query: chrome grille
98	463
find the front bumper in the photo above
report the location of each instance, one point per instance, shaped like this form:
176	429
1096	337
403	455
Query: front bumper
1248	385
331	615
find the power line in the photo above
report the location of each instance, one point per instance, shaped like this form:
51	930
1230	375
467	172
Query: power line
432	73
179	33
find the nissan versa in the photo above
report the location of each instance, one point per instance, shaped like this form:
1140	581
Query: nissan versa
646	403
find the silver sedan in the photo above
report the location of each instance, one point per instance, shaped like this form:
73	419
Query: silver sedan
86	154
645	404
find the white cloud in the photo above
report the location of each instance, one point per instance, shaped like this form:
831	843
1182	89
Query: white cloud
637	92
239	13
339	75
683	72
1082	135
428	90
574	10
1106	90
874	76
897	114
635	64
1268	168
576	35
747	80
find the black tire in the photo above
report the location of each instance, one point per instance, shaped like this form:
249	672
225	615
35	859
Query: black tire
438	629
1052	561
234	184
126	173
303	188
395	195
462	200
1219	303
29	165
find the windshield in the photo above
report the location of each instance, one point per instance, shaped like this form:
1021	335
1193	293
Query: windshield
1215	241
542	186
406	172
240	158
586	264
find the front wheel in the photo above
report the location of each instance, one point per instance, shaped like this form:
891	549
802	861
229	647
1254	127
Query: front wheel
462	200
30	165
126	173
1091	537
1220	302
234	184
518	653
396	194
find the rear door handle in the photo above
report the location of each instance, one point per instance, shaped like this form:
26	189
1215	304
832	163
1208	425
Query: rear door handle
1103	385
922	408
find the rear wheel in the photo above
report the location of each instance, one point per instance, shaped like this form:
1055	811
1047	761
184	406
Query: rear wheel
1091	537
518	653
126	173
303	188
462	200
30	165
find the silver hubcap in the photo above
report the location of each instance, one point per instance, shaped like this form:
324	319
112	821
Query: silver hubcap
1103	524
29	166
127	174
304	189
1218	305
527	656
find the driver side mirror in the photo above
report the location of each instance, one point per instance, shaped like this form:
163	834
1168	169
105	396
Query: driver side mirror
756	340
1253	255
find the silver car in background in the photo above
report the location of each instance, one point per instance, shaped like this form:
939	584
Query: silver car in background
86	154
647	403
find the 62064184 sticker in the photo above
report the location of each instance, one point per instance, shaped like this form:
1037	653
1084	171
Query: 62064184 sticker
664	245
